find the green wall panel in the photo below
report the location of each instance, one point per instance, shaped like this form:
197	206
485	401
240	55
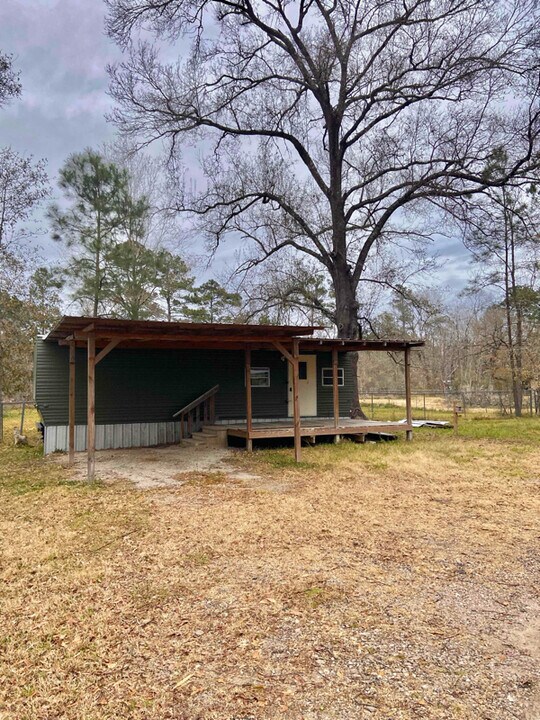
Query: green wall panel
151	385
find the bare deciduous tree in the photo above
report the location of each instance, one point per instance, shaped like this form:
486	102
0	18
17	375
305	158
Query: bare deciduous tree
503	238
327	126
10	86
23	185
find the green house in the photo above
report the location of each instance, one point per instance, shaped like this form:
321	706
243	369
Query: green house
152	383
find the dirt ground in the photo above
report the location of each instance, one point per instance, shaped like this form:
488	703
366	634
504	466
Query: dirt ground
155	467
392	582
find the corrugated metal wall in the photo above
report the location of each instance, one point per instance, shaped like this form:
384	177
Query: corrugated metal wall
110	437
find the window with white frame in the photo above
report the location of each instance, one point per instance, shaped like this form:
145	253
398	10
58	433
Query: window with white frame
327	378
260	377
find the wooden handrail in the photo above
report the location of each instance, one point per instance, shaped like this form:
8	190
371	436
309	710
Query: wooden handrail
193	404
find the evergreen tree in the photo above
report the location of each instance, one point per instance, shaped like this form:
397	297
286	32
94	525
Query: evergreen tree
132	286
212	303
97	193
174	283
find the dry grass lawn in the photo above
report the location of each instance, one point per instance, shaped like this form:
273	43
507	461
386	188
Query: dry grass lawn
391	582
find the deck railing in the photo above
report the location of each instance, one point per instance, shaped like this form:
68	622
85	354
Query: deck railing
197	413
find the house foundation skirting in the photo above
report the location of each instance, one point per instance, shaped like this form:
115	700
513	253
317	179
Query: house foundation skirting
109	437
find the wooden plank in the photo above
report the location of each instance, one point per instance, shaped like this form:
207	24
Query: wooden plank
107	349
204	338
408	404
335	386
194	403
345	430
71	410
283	350
296	404
91	408
249	409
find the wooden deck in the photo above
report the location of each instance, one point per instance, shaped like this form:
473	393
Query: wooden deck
312	427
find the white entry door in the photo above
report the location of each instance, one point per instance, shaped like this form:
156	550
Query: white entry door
307	389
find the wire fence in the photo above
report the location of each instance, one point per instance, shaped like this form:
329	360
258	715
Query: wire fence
382	404
13	413
432	404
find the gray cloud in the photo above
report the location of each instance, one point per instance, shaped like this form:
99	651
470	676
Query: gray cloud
61	50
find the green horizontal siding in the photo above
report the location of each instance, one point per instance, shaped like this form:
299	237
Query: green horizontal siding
325	398
151	385
148	386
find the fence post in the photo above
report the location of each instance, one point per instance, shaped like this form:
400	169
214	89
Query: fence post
22	417
425	418
372	410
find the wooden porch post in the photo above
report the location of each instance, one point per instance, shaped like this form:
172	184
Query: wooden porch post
72	402
335	386
249	412
296	404
408	405
91	408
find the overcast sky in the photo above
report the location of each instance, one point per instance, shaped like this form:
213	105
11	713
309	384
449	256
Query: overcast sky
61	50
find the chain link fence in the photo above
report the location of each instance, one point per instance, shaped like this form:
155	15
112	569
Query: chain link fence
432	404
12	415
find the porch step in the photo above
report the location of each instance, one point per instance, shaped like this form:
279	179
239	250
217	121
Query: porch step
199	438
204	438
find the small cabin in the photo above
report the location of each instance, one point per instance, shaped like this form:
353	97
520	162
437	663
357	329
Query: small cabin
106	383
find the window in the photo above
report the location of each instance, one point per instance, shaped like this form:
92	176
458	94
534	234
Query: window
260	377
302	370
327	377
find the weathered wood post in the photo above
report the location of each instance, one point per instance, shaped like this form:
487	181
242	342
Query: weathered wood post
71	412
249	411
408	405
91	408
296	403
335	386
455	416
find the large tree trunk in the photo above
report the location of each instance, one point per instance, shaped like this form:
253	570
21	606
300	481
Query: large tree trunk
348	326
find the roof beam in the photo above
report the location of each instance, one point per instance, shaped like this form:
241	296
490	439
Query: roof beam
106	350
171	337
283	350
